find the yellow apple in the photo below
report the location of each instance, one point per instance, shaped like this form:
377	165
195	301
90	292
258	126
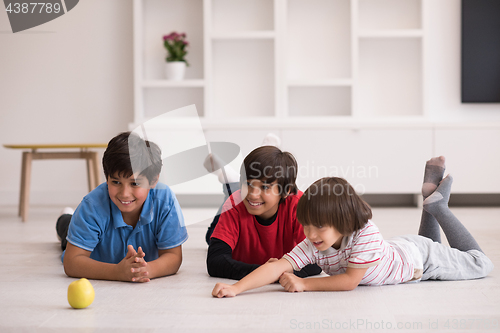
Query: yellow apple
80	293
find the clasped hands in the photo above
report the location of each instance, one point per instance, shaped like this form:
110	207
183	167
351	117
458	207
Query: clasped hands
133	267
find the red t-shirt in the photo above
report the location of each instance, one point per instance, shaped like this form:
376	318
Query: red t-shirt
252	242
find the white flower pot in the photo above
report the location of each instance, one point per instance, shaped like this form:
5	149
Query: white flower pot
175	70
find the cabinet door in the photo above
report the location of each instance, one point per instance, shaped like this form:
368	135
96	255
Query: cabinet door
472	157
372	160
247	139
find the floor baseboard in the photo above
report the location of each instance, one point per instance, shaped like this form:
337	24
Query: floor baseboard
374	200
73	198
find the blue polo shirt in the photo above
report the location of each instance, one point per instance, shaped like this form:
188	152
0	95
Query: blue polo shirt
97	225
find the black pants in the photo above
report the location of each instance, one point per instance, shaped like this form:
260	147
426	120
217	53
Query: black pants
228	190
62	227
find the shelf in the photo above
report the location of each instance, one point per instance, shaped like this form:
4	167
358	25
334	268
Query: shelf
328	71
244	35
158	100
158	19
243	78
317	122
390	14
320	83
390	78
173	84
318	39
410	33
313	101
282	62
242	15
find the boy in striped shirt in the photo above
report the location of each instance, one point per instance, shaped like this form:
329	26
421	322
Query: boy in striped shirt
342	240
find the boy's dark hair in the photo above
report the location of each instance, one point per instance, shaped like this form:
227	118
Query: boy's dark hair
269	163
127	153
331	201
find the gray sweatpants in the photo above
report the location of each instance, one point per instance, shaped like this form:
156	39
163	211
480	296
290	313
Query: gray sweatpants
442	262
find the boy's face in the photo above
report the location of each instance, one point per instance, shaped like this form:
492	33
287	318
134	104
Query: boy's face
260	198
323	237
129	194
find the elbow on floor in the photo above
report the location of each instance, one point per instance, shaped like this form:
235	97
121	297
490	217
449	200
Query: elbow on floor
69	272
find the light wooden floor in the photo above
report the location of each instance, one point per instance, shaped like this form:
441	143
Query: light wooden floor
33	289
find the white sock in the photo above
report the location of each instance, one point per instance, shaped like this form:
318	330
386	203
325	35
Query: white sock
214	165
271	139
228	176
67	210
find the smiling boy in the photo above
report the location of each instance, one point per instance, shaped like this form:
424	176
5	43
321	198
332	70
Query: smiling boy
129	228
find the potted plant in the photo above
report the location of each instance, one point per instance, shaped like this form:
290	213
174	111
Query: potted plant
176	45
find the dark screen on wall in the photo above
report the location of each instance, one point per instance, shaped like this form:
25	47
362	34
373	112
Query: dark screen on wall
481	51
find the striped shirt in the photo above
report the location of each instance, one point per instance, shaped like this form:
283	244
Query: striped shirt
388	262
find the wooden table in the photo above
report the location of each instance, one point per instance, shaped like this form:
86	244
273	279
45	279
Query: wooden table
33	153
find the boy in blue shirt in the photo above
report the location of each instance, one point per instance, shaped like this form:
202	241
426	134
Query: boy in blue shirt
129	228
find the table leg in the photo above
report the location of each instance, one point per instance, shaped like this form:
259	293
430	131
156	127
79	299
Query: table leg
90	171
24	197
97	178
23	180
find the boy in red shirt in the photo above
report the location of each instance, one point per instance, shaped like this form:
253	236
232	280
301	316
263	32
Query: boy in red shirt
258	223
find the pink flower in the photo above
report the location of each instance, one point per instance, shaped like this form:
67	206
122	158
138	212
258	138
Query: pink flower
176	45
173	36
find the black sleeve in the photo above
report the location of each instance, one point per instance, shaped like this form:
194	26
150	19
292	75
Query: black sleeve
228	190
309	270
212	226
221	264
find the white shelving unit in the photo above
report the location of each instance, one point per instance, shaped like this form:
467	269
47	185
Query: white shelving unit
152	20
283	59
346	73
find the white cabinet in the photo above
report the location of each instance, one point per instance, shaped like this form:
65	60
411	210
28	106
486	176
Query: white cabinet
246	139
153	19
279	59
390	58
381	160
341	81
472	156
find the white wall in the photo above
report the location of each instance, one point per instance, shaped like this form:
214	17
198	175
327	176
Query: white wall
69	80
442	81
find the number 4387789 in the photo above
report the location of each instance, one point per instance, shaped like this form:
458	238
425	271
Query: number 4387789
482	323
33	7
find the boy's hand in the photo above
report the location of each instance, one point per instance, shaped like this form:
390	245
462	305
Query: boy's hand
140	268
291	282
133	267
224	290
